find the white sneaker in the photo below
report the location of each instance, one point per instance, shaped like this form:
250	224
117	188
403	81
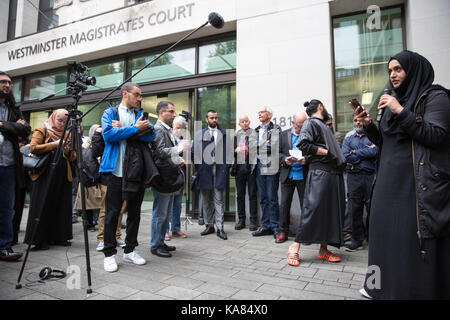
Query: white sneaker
365	294
121	243
134	257
100	246
110	264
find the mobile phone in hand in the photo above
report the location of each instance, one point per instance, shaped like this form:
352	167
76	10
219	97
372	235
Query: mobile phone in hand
145	116
354	103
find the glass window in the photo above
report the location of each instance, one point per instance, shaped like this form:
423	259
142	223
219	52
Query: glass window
17	89
108	75
174	64
361	56
47	15
37	119
38	87
217	56
95	116
179	99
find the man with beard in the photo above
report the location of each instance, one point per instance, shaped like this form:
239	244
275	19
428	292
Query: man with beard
324	200
212	172
166	150
118	125
360	154
12	177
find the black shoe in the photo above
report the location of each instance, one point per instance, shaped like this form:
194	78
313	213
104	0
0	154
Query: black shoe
39	247
201	222
208	230
221	234
10	255
253	226
168	248
355	245
262	232
161	252
240	225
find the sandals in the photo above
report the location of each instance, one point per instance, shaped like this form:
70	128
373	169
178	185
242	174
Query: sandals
328	256
293	258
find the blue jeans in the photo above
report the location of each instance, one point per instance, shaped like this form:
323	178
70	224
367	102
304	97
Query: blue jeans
7	187
268	192
162	207
176	213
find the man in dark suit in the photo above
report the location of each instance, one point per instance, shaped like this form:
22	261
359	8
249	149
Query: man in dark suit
211	163
293	173
166	151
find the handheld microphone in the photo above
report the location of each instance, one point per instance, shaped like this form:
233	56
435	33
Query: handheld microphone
216	20
388	90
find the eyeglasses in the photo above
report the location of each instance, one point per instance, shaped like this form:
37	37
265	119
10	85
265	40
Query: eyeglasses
136	94
6	82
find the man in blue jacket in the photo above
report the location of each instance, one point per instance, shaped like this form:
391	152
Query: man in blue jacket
118	125
360	154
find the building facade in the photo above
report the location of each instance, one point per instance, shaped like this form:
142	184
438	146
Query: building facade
278	53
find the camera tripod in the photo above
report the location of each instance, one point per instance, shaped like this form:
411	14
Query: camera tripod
72	127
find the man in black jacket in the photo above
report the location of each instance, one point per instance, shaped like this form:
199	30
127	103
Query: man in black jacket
12	177
293	172
166	152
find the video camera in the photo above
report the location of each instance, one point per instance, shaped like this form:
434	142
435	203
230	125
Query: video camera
79	78
186	115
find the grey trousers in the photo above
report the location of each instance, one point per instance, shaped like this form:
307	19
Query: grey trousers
213	208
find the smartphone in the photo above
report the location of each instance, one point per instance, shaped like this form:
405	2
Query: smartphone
145	116
354	103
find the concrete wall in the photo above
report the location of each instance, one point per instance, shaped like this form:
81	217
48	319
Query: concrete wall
284	58
427	32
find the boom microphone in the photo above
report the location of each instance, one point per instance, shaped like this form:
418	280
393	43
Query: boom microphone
388	90
215	20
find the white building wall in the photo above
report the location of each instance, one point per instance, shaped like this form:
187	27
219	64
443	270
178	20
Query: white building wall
284	57
427	32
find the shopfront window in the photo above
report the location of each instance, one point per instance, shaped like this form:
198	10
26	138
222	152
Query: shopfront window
362	51
217	56
17	89
108	75
174	64
38	87
37	119
94	116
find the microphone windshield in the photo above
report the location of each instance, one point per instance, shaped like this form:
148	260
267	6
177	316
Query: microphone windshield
216	20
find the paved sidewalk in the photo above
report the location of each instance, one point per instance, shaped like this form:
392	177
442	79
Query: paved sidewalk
202	268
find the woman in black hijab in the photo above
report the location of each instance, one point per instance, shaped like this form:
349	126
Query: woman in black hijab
409	227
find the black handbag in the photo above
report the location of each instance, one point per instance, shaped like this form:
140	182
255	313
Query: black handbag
32	162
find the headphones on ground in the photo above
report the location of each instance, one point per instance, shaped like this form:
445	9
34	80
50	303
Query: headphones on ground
47	273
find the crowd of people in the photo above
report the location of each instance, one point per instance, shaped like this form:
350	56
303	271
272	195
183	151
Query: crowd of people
395	172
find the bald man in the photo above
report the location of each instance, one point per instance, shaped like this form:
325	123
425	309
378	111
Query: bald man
292	174
243	169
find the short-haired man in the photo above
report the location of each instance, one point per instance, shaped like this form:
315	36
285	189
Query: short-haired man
212	172
118	125
361	155
243	169
293	174
12	177
267	172
166	151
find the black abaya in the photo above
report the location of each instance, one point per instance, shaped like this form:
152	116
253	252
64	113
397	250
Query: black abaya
55	226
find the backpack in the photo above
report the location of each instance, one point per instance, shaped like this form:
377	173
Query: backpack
89	169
